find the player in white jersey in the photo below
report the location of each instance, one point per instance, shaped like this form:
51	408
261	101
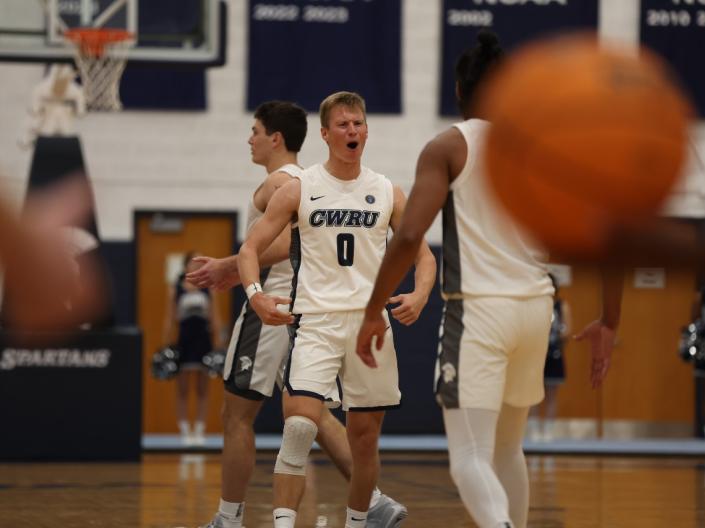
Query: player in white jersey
497	313
257	353
341	212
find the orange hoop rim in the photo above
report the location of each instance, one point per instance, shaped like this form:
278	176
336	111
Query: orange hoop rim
93	41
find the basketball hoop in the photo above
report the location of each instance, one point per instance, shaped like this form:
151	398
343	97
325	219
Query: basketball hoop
101	56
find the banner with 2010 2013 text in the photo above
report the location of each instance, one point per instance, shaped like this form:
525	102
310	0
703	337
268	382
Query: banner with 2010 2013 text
676	30
514	21
304	50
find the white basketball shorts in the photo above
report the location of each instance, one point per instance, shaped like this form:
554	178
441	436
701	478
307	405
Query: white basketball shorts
492	351
323	355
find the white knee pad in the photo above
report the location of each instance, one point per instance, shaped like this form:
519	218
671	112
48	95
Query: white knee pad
298	437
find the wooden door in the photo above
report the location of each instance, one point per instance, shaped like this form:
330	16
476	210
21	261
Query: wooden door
159	245
575	398
647	380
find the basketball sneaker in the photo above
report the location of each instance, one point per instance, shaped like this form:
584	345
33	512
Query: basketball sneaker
219	521
387	513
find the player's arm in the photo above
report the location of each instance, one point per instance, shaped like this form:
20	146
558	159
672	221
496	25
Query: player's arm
433	177
412	303
602	332
271	184
425	200
224	273
216	273
281	209
278	250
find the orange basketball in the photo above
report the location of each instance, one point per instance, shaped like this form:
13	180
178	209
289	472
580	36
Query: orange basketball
583	138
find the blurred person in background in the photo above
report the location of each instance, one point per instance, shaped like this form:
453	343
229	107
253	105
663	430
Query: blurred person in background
192	323
46	288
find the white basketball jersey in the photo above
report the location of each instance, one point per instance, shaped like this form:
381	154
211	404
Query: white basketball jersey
484	251
278	281
339	240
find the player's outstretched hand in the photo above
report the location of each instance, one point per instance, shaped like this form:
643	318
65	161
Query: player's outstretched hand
409	309
372	326
216	273
601	339
266	308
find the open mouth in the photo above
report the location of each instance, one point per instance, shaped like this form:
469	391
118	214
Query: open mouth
352	145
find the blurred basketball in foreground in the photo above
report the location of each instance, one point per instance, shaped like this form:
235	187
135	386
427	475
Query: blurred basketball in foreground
583	139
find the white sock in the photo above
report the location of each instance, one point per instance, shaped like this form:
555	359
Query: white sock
184	427
355	519
231	513
376	494
199	428
284	518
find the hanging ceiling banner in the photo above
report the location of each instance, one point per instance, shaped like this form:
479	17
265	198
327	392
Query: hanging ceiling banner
514	21
676	30
304	50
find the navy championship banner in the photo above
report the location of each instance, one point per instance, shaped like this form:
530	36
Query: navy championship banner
168	87
304	50
676	30
514	21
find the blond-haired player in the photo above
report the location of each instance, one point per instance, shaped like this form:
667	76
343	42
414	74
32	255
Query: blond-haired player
342	212
258	352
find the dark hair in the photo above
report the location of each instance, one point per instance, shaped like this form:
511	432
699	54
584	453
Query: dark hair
289	119
474	64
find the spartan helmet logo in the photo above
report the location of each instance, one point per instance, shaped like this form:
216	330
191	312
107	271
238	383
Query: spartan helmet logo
245	364
449	372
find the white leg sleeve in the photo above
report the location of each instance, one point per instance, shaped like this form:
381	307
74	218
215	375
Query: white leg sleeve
298	437
510	463
471	437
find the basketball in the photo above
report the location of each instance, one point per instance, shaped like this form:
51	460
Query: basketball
584	138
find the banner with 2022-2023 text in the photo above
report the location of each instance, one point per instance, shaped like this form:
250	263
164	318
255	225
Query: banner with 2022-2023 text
304	50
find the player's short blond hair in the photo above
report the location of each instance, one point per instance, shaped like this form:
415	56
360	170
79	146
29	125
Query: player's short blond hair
349	99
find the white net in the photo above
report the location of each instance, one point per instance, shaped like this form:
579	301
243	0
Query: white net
101	58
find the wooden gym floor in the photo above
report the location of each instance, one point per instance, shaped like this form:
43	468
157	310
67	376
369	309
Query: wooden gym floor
171	490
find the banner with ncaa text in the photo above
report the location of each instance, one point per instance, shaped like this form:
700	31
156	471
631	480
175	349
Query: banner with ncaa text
676	30
304	50
514	21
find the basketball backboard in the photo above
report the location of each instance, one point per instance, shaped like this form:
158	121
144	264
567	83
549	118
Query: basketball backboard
167	31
